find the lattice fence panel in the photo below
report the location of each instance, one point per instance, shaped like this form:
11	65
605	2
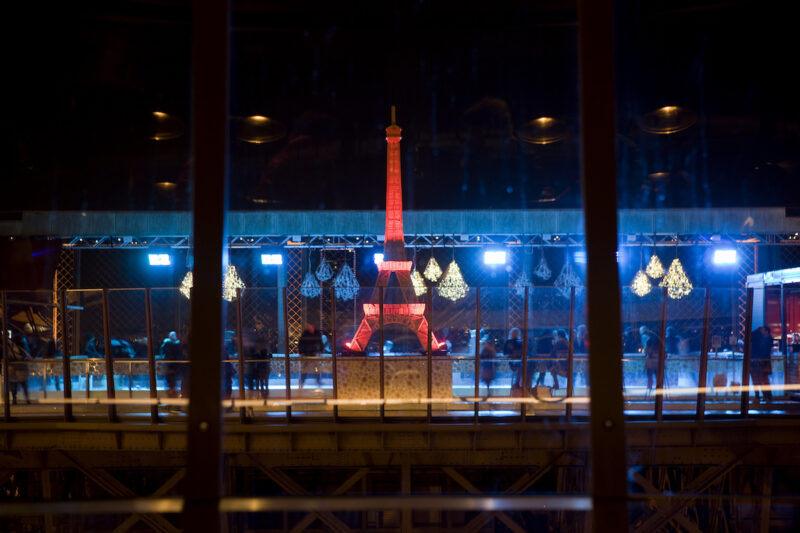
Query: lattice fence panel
294	306
746	266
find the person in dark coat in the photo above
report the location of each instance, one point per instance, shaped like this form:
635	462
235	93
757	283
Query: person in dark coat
488	357
559	355
18	372
309	347
172	351
630	341
671	341
544	350
91	347
512	350
760	361
652	349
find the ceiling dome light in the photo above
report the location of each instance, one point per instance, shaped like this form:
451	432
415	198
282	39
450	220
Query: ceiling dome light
668	119
542	130
258	129
164	126
165	186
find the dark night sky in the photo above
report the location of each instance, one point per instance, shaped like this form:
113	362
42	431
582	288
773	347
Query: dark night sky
84	79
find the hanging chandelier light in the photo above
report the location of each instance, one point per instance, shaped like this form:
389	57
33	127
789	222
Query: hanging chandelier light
324	271
186	285
543	269
654	267
676	281
310	287
522	283
641	284
230	283
453	287
432	271
567	279
418	282
346	284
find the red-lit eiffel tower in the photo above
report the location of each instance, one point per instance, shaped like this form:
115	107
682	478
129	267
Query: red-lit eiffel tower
407	311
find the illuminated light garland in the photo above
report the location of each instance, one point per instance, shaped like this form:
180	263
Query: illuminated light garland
654	267
676	281
310	287
522	282
186	285
418	283
324	271
432	271
641	284
543	269
567	279
230	283
346	284
453	287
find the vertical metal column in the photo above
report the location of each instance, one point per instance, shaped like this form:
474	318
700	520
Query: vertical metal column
65	369
334	368
240	355
748	327
110	392
203	484
702	374
6	356
662	356
151	358
381	362
287	366
429	353
571	353
476	405
524	385
599	190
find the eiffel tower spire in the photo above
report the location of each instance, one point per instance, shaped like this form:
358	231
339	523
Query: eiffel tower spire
394	240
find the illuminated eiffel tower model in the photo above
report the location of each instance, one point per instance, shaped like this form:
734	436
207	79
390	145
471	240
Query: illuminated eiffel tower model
407	310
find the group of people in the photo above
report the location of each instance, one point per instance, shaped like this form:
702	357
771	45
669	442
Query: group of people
548	356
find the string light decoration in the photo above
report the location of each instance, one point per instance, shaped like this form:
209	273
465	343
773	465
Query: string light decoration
310	287
676	281
543	269
654	267
522	282
418	283
186	285
324	271
432	271
567	279
230	283
453	287
641	284
346	284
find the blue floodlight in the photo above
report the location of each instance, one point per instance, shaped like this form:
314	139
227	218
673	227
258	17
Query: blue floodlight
494	257
271	259
580	257
159	259
725	257
378	258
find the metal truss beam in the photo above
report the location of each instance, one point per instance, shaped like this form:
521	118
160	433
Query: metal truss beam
471	240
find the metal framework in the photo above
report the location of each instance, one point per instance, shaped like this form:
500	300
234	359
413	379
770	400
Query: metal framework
432	240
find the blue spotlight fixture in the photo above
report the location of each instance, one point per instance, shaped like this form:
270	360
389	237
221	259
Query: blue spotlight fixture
271	259
580	257
494	257
725	257
378	258
159	259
